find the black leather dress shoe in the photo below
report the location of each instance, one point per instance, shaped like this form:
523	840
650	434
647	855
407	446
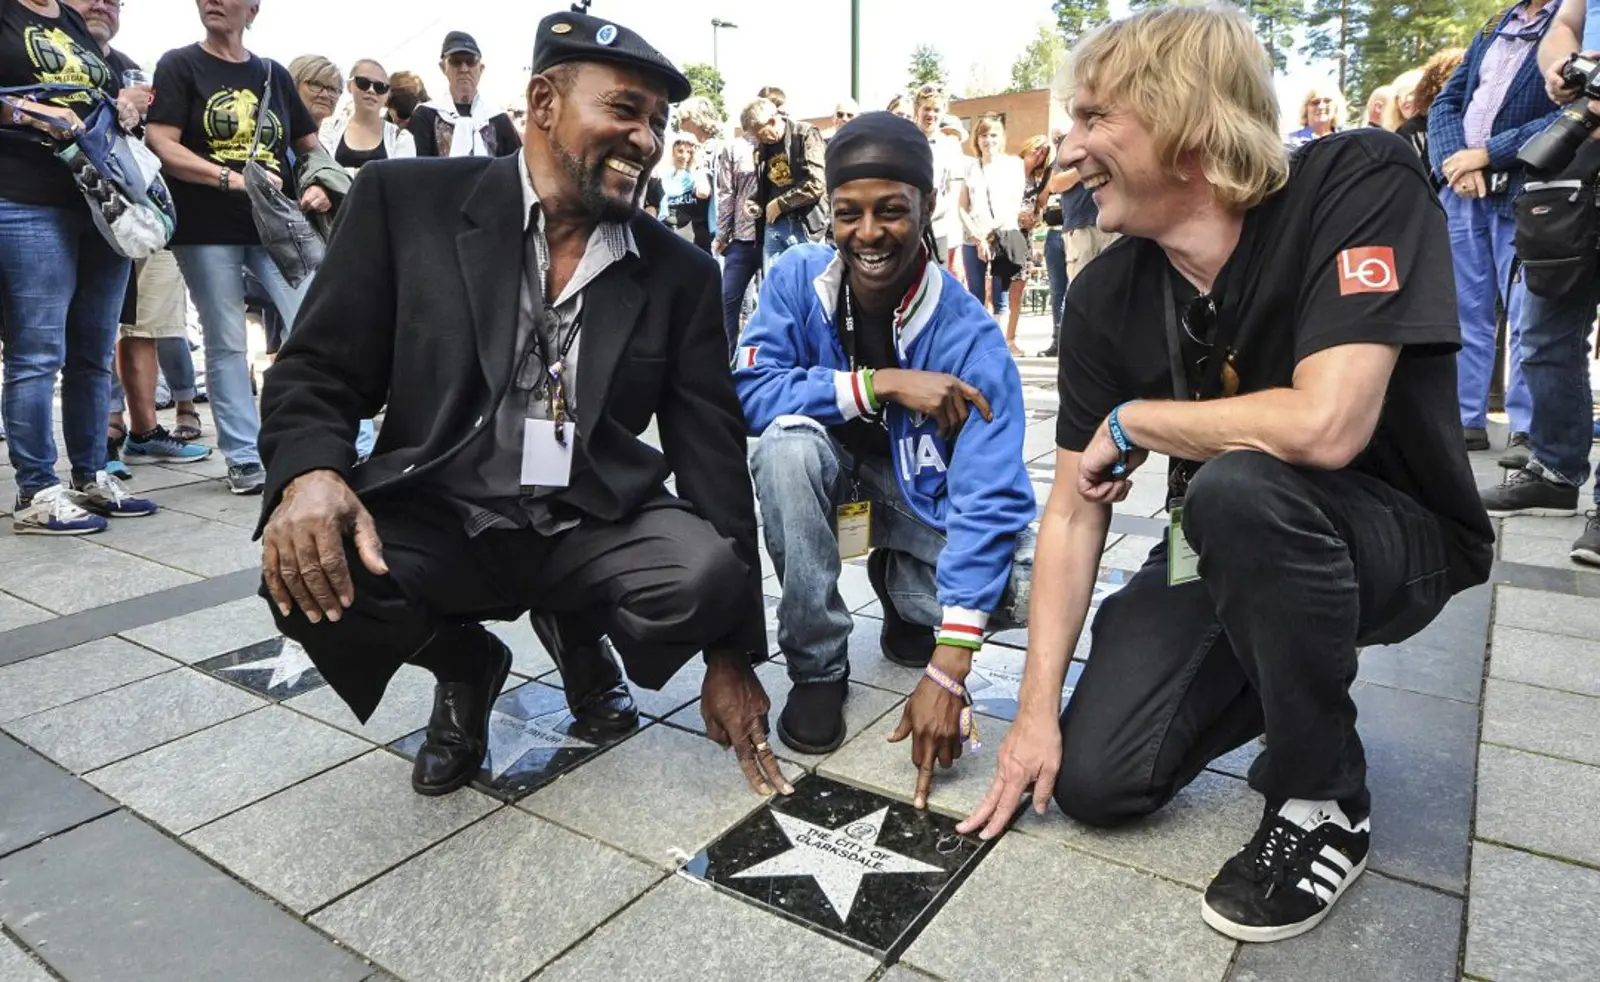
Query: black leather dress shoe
596	692
904	643
458	730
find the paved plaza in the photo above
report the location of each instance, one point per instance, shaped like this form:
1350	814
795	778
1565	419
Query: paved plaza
183	799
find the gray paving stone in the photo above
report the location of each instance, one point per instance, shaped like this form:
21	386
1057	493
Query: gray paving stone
1444	659
157	477
1553	661
75	581
1420	752
1560	724
1541	610
870	761
404	709
1530	801
208	633
730	940
1561	529
1540	550
1236	763
1059	914
491	904
681	690
1531	919
1130	553
662	796
38	799
211	500
1381	929
16	613
17	966
93	732
528	657
205	775
324	837
185	542
115	901
869	667
1188	840
52	680
900	973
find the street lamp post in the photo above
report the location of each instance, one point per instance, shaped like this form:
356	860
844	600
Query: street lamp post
855	50
718	24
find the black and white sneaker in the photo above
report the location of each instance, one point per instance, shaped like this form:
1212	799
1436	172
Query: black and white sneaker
1525	493
1302	859
1586	549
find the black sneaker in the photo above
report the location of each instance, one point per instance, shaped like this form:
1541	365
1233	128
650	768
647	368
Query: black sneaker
1525	493
1587	548
1477	438
1517	452
902	642
812	721
1302	859
1054	351
246	478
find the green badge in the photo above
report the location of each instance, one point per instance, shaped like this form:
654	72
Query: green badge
1183	563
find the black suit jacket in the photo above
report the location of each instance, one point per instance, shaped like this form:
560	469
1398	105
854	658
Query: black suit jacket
416	308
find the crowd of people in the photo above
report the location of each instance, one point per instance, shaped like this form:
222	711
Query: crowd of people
522	308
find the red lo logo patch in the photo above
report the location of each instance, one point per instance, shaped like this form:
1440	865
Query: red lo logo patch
1370	269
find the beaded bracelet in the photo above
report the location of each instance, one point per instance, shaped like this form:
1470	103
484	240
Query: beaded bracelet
969	722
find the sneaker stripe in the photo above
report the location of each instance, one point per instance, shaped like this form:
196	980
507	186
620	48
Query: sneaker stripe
1318	890
1326	874
1339	859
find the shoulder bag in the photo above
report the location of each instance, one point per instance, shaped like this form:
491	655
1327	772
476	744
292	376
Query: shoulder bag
287	234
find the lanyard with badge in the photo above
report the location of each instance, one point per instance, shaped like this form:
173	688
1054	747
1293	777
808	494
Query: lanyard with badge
852	519
546	451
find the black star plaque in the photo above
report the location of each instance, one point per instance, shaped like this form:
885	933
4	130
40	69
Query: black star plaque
860	867
278	669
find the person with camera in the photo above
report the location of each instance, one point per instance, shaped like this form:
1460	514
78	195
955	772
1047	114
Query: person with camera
1558	316
1493	104
1284	331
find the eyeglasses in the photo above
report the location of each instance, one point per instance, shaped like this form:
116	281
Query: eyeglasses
368	85
463	61
844	116
320	88
1319	102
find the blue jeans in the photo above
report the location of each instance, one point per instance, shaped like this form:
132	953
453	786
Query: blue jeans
215	277
801	475
739	266
61	291
1555	361
977	269
782	235
1481	249
1055	267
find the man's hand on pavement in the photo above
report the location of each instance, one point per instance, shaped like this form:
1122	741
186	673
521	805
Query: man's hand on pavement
1030	756
932	719
934	394
734	707
302	550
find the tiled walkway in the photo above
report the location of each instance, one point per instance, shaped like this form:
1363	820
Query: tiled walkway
182	798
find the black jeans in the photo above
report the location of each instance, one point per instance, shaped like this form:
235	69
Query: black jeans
661	583
1298	567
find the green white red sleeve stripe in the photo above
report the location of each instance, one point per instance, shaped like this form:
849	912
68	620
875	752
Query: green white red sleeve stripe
962	627
850	393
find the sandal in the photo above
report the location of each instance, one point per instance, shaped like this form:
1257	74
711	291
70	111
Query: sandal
183	432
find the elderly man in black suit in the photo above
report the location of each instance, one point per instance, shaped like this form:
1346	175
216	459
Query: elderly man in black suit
523	322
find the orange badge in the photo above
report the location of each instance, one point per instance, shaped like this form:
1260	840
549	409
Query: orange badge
1370	269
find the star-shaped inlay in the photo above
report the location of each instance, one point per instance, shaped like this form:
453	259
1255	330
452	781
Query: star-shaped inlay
512	738
837	859
287	666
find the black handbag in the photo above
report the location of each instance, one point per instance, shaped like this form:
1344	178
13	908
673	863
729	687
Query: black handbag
1558	228
296	248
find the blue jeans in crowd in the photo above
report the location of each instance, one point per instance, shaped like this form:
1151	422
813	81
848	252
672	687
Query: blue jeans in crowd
781	236
1055	267
215	277
1481	248
177	367
61	292
740	264
977	270
1555	362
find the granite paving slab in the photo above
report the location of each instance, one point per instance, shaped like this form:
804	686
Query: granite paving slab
1060	914
660	796
1130	553
39	799
275	669
211	500
996	677
52	680
405	707
1539	550
1381	929
859	867
1188	840
533	739
152	477
1444	659
1560	724
731	940
1531	919
1541	610
681	690
116	901
493	903
74	580
1529	526
322	838
208	633
528	657
187	542
96	731
1530	801
1552	661
16	613
17	966
869	667
870	761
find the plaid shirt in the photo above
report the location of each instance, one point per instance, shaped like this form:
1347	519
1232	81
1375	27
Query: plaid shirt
735	171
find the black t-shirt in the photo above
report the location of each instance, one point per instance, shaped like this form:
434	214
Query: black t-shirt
35	50
1353	250
215	104
357	159
871	346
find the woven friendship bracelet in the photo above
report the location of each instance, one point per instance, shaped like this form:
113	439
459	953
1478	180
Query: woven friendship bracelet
969	722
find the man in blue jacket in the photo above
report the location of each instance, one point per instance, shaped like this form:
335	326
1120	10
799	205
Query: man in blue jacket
1490	107
859	371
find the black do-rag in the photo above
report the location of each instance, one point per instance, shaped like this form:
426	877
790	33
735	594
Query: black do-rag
880	146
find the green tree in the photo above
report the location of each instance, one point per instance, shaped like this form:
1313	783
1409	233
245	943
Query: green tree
1374	42
707	81
1276	22
1036	67
927	65
1075	18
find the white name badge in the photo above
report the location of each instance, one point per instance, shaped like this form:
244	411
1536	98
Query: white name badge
545	462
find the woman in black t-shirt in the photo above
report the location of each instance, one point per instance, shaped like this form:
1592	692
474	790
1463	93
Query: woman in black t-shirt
61	284
202	126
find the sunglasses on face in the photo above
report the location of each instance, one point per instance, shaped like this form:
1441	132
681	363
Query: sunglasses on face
368	85
1319	102
463	61
844	116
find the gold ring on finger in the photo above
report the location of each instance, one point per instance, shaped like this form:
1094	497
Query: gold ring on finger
763	747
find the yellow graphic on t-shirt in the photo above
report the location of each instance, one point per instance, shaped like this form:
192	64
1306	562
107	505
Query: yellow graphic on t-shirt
230	122
59	60
778	171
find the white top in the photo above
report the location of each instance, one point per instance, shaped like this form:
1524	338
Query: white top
993	196
396	141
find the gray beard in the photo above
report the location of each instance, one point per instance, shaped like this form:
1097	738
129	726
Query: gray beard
596	204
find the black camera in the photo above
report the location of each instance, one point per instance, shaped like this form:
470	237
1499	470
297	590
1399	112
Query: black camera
1554	147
